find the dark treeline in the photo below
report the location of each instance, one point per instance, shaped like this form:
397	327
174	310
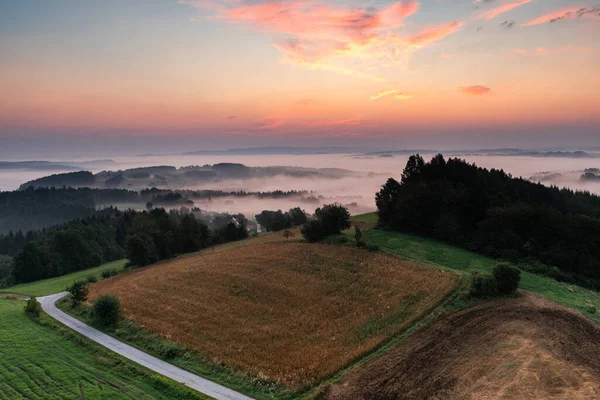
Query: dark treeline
35	209
547	230
5	270
74	179
142	237
274	221
275	194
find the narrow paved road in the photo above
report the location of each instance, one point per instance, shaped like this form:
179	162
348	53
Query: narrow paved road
202	385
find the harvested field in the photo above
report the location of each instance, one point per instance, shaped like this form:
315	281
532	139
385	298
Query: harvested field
288	312
522	348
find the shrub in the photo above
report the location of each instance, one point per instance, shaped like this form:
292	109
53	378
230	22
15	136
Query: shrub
507	278
312	231
107	310
33	307
169	351
78	291
483	285
91	279
371	247
344	239
591	308
107	273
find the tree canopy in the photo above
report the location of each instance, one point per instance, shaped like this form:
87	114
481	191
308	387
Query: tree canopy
492	212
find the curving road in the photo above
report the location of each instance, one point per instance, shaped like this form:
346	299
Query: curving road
195	382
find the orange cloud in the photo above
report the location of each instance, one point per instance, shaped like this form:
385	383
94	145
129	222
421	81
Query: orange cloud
382	94
336	122
494	12
403	96
476	90
544	51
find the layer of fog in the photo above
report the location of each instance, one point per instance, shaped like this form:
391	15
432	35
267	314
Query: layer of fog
345	190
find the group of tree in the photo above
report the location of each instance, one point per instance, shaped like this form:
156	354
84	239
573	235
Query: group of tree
143	237
274	221
38	208
5	271
489	211
331	219
32	209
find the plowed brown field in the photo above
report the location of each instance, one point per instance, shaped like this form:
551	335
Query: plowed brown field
288	312
523	348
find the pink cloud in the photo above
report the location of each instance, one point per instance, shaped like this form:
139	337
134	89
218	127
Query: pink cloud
501	9
544	51
476	90
310	33
578	12
433	34
335	122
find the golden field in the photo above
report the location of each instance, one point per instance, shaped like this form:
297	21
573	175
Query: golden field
288	312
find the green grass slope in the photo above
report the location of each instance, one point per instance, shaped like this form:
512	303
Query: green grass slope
45	361
59	284
431	252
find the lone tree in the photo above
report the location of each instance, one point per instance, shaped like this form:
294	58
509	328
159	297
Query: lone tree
334	218
288	234
358	236
78	291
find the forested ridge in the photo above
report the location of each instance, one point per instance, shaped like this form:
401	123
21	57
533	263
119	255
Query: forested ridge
545	230
38	208
142	237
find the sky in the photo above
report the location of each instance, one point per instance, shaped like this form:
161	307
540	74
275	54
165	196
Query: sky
237	73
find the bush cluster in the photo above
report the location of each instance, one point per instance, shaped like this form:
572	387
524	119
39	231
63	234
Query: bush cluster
33	307
107	273
503	280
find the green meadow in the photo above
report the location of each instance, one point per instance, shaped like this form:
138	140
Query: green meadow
60	283
441	255
42	360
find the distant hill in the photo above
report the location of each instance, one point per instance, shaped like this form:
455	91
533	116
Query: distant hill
168	176
69	179
278	150
36	165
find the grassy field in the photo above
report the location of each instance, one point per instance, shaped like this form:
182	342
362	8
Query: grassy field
45	361
290	313
59	284
441	255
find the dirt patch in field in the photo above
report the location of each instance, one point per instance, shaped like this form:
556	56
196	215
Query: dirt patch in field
287	312
523	348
